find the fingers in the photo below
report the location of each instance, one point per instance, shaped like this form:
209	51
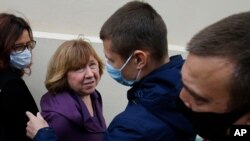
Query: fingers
35	123
39	115
28	131
29	115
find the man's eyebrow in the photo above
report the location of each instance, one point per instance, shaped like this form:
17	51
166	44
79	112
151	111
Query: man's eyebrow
108	58
194	94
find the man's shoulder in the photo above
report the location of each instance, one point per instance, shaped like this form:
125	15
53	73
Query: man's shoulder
137	116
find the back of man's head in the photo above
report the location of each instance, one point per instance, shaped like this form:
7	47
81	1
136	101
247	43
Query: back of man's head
136	26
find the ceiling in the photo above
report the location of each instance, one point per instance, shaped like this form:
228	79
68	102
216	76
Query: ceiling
183	17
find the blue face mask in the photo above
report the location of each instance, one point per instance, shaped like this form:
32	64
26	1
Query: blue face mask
116	74
20	60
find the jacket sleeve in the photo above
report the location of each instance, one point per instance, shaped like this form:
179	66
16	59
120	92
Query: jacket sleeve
16	99
127	130
45	134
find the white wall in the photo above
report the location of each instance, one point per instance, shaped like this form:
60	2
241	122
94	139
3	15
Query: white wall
183	17
113	94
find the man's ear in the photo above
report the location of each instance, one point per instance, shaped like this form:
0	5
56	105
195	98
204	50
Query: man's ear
141	58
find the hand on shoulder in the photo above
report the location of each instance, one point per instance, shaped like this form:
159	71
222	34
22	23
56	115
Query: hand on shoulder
34	124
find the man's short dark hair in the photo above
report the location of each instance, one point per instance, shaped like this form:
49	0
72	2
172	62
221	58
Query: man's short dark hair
229	38
136	25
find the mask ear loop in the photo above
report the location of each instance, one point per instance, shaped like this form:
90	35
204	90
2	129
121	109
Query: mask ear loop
138	74
126	62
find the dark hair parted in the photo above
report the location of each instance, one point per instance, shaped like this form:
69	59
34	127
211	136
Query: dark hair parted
229	38
70	55
11	28
136	26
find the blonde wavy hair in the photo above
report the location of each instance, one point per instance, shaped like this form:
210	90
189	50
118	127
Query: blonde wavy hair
70	55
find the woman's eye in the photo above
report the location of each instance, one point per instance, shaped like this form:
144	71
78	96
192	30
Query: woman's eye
93	65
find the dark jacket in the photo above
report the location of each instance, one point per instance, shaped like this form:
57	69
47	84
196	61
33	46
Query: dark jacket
151	114
67	114
15	100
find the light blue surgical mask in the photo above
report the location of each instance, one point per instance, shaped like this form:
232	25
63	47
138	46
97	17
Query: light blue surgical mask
20	60
116	74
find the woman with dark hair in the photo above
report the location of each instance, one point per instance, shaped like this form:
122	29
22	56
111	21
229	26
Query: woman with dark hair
16	44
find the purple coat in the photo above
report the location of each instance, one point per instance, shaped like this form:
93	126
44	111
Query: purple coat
68	116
